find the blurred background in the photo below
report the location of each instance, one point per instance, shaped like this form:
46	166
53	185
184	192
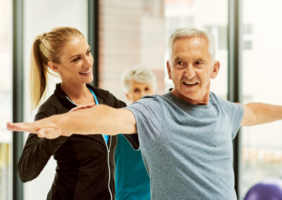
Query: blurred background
128	33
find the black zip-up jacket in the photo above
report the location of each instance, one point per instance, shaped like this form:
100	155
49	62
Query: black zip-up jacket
85	165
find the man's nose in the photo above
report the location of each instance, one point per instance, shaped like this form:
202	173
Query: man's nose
190	72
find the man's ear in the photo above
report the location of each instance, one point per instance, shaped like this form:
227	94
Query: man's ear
215	71
53	67
168	69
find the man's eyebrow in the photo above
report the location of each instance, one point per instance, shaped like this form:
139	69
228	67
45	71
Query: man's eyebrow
200	60
80	54
177	59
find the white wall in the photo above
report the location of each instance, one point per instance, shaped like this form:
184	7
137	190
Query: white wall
41	16
204	13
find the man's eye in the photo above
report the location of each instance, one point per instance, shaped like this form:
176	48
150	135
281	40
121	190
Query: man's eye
147	89
88	52
180	63
136	90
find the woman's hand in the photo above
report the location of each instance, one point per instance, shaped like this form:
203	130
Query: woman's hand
82	107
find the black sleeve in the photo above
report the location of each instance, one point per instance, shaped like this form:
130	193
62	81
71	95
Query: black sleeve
36	153
116	103
133	140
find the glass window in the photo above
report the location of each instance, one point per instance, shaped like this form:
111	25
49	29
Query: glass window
247	36
41	16
262	145
131	34
5	99
189	14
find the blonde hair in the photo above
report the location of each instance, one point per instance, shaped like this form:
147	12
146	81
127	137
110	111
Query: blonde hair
140	74
46	47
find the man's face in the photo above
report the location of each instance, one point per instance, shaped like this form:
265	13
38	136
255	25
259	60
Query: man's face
191	70
138	90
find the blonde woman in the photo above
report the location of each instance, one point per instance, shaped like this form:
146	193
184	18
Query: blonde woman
85	164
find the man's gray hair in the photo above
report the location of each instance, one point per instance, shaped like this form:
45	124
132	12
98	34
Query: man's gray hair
190	33
140	74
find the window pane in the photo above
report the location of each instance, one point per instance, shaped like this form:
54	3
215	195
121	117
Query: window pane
41	16
5	99
189	14
131	34
262	145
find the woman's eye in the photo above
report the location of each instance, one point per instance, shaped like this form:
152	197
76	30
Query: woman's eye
76	59
136	90
88	52
147	89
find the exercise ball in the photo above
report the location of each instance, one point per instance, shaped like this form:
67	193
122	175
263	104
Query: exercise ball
270	189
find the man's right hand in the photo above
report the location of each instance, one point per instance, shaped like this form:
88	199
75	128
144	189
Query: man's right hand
100	119
45	128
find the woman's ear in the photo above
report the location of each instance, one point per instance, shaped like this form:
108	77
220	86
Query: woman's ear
53	67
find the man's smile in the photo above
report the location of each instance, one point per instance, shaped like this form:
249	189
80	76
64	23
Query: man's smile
190	84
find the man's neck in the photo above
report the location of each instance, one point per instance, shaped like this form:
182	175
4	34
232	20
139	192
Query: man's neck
200	101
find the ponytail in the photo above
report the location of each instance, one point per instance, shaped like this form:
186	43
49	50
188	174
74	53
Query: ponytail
38	73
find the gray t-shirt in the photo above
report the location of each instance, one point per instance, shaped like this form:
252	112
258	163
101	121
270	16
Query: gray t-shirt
186	148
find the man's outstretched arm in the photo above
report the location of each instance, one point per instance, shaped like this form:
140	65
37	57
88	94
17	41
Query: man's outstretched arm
100	119
259	113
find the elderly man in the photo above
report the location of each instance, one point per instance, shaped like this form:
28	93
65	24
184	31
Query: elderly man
185	136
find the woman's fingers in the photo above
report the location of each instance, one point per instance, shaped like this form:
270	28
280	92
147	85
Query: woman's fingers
44	128
27	127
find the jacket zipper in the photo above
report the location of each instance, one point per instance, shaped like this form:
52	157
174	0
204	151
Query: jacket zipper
108	154
71	101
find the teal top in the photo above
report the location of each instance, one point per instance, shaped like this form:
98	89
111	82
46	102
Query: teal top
132	180
97	103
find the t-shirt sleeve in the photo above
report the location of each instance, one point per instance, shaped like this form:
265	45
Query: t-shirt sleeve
235	113
148	113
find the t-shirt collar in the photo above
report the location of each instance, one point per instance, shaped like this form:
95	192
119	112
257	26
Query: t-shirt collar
182	102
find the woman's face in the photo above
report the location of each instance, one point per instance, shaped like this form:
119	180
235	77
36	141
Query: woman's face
76	62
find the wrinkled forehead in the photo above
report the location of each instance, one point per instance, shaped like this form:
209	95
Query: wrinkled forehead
192	46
